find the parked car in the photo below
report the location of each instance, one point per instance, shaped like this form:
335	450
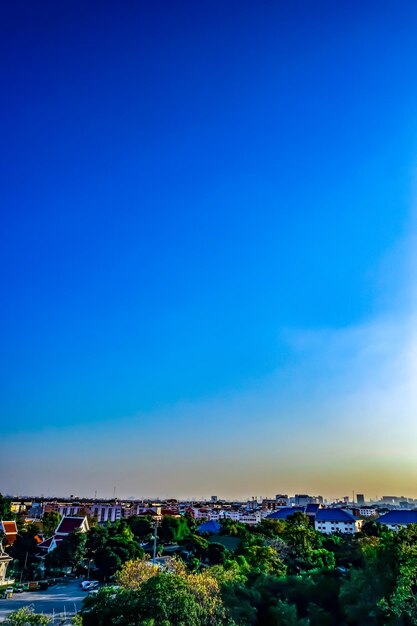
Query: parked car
19	589
8	592
88	585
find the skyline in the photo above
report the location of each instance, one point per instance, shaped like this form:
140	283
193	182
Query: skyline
208	248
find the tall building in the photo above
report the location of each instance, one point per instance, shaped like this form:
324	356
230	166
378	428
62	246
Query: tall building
360	498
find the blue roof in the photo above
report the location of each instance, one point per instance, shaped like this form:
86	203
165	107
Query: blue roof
334	515
209	527
398	517
285	512
312	508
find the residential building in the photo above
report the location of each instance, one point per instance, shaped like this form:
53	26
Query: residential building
398	519
330	521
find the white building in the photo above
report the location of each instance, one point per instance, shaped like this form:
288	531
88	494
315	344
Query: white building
106	512
330	521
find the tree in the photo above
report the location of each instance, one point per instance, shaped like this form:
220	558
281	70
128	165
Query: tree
167	599
141	526
112	607
26	616
300	537
134	573
173	529
5	508
69	553
202	586
50	522
25	548
384	590
111	546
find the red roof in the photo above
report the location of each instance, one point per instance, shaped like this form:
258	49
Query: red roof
10	531
69	525
170	512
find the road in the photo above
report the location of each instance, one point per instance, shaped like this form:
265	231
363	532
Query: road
58	600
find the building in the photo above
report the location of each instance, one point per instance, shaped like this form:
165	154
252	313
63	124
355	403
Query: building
302	499
4	563
360	499
69	510
285	512
65	527
330	521
211	527
106	512
368	511
9	530
398	519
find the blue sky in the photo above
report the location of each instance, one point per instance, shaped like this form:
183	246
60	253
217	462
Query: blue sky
207	246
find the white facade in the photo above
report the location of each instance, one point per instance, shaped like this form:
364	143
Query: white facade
70	510
107	512
329	527
367	512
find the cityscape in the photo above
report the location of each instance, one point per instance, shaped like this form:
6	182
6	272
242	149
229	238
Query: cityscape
208	329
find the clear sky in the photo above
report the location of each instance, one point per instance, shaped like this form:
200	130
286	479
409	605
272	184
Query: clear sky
207	235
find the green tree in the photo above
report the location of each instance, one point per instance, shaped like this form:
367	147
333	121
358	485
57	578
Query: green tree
26	616
173	529
111	606
24	550
5	508
300	537
141	526
69	553
384	590
167	599
110	546
50	522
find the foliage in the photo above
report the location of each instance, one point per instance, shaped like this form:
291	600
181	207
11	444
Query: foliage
173	529
5	508
110	547
134	573
281	574
26	616
50	522
25	548
69	553
141	526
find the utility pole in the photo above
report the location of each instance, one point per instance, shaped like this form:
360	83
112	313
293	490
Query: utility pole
24	567
154	541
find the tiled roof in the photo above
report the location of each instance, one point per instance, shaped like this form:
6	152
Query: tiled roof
285	512
10	531
312	508
334	515
69	525
9	527
398	517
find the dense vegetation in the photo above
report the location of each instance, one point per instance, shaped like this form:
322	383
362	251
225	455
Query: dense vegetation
274	574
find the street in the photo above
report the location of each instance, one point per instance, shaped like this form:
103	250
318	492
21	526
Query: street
58	601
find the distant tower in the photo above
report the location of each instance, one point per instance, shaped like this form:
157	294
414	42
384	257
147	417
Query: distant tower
360	498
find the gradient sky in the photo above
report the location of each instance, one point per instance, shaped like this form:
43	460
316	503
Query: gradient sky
207	248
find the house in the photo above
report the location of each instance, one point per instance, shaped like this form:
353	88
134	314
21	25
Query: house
9	530
65	527
398	518
329	521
